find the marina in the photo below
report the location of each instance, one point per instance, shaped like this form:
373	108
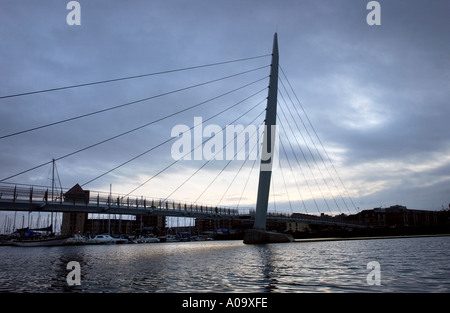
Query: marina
218	149
49	240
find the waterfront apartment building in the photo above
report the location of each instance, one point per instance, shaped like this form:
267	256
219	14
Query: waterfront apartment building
396	216
84	223
233	226
220	225
297	227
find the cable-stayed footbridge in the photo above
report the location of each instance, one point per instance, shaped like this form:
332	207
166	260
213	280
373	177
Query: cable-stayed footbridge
298	160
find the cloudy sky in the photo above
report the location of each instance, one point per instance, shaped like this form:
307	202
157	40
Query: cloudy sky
377	97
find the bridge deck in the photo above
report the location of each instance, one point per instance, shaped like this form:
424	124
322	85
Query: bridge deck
39	199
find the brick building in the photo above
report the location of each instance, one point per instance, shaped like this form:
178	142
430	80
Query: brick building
396	216
84	223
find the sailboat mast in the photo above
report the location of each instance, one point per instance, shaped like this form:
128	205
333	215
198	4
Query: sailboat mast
109	214
53	185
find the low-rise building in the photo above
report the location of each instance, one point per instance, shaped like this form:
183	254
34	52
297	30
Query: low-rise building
396	216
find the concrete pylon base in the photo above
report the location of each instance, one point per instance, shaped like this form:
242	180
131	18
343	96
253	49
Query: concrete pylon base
255	236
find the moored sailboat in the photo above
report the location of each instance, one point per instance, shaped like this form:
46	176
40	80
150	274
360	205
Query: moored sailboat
40	237
44	242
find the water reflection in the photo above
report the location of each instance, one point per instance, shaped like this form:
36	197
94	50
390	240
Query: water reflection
268	267
407	265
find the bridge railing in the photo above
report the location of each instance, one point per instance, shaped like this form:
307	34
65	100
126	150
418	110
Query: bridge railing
161	204
41	195
31	194
315	219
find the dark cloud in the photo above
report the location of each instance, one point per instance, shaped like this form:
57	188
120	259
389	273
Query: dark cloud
376	95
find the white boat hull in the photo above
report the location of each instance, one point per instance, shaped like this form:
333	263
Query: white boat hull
151	240
102	239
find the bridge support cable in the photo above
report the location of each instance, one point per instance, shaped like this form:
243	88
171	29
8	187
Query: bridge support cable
316	150
298	102
228	163
222	149
132	102
166	141
298	162
135	129
131	77
291	170
240	169
274	198
163	118
246	182
312	157
26	171
282	175
176	161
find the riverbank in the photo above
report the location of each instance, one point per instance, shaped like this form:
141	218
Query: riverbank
368	238
367	233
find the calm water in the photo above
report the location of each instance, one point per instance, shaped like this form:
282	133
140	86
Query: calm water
406	265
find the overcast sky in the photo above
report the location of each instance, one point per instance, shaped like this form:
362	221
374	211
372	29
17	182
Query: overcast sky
377	96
